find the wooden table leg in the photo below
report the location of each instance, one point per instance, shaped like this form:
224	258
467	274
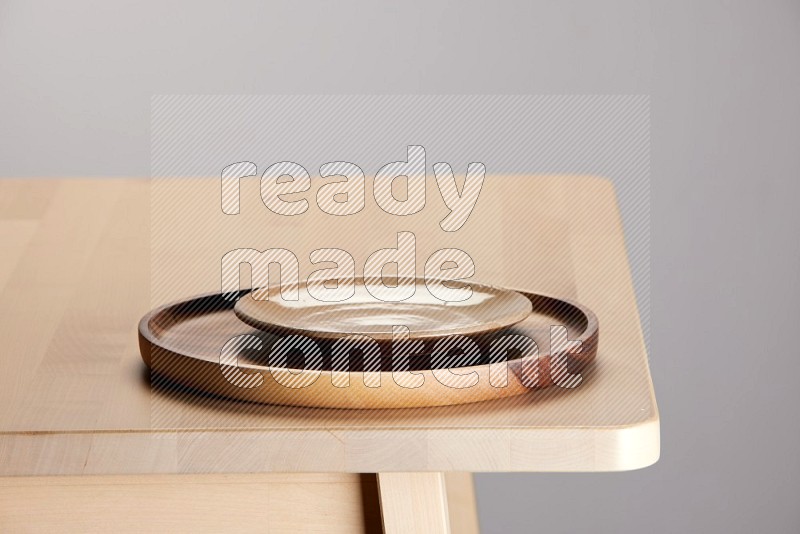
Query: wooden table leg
461	503
413	502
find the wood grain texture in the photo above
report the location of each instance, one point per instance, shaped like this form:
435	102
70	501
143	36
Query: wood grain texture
461	505
413	502
275	503
75	277
272	502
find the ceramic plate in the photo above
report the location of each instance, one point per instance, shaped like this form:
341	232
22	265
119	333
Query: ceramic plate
426	316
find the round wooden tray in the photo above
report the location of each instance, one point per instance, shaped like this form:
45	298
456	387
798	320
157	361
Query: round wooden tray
183	343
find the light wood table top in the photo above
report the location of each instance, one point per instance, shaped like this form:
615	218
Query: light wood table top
75	278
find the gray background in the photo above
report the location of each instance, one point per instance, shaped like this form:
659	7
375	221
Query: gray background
75	84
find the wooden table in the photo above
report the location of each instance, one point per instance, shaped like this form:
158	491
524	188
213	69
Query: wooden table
86	443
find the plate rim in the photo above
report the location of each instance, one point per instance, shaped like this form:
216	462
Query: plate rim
508	321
